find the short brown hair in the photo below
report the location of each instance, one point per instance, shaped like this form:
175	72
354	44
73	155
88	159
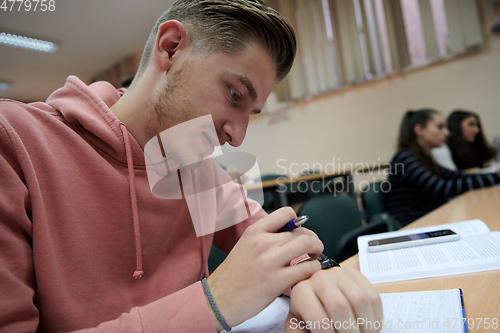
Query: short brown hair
229	25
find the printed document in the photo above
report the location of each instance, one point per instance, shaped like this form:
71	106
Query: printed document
477	250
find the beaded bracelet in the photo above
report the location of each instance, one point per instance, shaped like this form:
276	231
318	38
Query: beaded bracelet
214	306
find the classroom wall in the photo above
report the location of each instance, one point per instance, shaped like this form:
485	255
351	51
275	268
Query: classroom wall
359	125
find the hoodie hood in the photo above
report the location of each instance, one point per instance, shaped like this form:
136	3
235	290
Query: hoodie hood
97	124
87	110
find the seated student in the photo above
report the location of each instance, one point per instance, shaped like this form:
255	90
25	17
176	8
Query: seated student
466	146
418	184
84	242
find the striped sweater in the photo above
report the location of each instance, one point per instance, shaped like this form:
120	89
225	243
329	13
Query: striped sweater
415	191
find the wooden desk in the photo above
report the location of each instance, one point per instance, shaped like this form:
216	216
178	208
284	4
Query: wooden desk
282	187
284	180
316	176
285	189
481	290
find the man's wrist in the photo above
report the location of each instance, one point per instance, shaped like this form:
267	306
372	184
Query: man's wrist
213	315
217	325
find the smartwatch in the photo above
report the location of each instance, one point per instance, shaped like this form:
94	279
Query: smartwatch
327	262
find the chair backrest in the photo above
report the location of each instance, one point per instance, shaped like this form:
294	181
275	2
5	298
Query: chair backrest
372	198
348	245
268	205
330	217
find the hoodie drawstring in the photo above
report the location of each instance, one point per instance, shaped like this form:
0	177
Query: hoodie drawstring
204	255
133	201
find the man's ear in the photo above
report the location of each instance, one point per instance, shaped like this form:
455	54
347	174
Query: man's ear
171	38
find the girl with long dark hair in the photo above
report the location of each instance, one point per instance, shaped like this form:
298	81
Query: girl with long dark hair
418	184
468	146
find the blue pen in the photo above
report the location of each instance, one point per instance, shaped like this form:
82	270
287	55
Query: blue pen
295	223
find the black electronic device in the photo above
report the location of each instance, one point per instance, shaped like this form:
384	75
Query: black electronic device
423	238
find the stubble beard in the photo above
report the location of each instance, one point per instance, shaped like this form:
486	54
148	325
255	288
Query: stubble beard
170	109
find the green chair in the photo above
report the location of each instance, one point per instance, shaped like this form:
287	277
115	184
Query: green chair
373	201
313	189
348	244
337	221
269	196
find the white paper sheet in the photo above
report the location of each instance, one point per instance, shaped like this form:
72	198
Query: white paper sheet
270	320
423	311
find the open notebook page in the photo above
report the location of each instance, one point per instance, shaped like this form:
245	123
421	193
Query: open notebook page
422	311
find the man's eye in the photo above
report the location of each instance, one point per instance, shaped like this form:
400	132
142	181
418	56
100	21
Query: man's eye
234	95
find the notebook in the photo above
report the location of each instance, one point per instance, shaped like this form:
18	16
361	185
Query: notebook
420	312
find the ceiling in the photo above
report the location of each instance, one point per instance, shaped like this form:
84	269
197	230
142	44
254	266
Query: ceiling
92	35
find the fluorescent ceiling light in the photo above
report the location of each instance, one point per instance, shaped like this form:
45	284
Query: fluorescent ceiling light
27	42
4	86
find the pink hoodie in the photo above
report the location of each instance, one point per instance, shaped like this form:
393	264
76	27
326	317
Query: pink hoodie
78	221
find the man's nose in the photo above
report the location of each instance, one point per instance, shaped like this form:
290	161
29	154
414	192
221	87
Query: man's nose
235	133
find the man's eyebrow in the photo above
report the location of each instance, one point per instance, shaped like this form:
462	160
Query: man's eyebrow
247	83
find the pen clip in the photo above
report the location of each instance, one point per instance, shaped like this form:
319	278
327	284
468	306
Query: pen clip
300	220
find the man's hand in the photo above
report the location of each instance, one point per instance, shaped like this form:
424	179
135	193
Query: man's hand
258	269
337	299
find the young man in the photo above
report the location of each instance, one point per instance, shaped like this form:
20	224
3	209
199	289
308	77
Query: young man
85	244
